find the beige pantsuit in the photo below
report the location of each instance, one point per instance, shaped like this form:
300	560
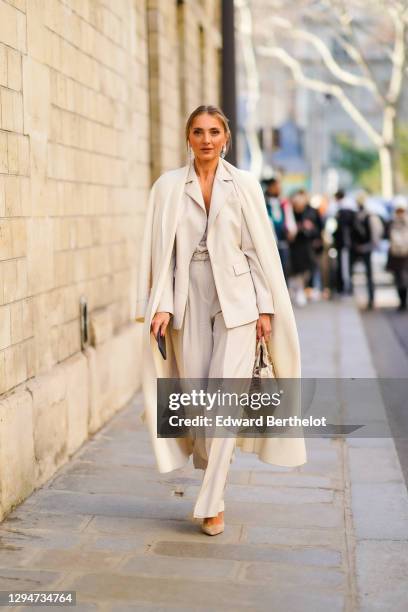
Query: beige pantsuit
206	347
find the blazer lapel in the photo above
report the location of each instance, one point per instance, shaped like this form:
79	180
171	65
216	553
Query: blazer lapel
193	189
223	189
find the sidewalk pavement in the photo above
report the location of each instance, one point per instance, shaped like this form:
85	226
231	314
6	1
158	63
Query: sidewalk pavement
330	535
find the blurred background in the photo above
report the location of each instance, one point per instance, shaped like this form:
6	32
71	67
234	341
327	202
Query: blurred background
323	122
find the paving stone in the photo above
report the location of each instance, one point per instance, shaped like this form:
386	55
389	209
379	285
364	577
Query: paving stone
249	552
123	543
279	515
148	608
117	453
145	607
388	515
295	577
324	462
116	483
138	607
15	556
118	456
246	461
178	568
374	465
110	505
333	538
196	476
139	474
271	495
139	589
92	468
24	519
154	529
78	560
14	579
122	438
382	575
40	539
371	443
324	443
292	480
125	420
80	606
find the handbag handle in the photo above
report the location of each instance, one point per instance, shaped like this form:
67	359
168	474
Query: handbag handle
262	361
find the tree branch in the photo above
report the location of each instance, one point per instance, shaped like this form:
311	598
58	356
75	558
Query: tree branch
317	85
399	58
348	26
343	75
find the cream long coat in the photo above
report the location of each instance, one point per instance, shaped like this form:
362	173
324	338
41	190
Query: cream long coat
162	217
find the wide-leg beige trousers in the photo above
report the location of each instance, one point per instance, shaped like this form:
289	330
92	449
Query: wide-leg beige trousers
207	349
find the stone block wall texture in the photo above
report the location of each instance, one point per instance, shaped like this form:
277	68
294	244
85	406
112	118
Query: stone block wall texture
93	99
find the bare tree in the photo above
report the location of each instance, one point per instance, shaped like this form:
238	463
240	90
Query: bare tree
252	83
363	31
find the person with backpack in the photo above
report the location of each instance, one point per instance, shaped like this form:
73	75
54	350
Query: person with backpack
366	233
398	252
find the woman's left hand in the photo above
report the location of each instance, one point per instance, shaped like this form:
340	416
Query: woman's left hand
264	326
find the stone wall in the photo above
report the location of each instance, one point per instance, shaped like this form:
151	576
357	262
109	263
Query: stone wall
93	97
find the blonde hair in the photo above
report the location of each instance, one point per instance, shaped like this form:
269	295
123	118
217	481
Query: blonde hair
209	110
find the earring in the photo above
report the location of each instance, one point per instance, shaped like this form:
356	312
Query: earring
223	150
190	152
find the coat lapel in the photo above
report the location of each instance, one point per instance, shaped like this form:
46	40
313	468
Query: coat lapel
192	187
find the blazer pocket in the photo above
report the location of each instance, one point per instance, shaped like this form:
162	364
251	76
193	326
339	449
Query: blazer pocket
241	267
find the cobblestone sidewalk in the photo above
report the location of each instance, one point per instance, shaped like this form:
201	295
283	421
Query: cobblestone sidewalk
114	530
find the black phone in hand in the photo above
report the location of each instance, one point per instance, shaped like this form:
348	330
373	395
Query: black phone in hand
161	342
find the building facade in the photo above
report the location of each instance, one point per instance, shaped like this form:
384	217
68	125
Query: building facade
93	96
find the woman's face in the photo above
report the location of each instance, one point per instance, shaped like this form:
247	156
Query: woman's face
207	137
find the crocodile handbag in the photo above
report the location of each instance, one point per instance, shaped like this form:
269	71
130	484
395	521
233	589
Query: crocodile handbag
263	367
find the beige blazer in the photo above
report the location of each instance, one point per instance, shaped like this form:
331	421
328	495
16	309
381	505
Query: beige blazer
162	216
240	281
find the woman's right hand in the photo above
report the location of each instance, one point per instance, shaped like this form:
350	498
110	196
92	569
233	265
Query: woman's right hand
160	321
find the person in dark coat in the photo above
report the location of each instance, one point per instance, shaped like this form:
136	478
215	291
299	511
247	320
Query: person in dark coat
302	253
366	233
342	242
398	254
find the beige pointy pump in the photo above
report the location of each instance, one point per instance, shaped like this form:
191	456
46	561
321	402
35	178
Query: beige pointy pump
214	529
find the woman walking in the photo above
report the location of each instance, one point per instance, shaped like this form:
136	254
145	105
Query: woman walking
212	283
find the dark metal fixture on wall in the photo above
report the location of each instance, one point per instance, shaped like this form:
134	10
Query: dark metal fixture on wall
228	84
